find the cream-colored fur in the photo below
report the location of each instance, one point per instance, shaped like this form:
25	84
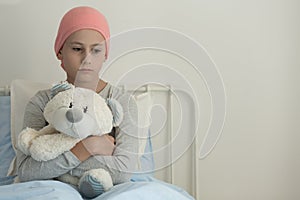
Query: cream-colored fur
27	136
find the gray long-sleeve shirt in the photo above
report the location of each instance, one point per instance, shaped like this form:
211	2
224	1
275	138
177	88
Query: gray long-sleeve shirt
120	165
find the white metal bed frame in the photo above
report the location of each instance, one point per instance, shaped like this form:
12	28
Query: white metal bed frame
169	171
194	147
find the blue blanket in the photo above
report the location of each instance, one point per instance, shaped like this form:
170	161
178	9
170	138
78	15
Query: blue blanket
34	190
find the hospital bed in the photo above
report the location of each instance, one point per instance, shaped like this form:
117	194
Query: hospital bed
168	165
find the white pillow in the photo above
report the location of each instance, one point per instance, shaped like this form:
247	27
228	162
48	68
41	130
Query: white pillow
21	91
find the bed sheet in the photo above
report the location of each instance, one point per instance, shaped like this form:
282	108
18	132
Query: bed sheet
45	190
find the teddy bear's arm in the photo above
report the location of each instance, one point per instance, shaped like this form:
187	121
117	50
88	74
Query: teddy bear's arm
27	135
48	147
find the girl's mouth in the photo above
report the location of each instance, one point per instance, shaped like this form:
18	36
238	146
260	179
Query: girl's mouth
85	70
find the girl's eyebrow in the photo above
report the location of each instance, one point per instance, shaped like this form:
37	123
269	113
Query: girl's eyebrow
98	44
79	43
76	43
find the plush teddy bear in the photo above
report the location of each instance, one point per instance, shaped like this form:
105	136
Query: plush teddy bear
73	114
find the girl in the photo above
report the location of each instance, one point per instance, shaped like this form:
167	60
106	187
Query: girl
82	45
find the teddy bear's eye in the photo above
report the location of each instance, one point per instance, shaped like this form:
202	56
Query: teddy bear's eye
85	109
71	105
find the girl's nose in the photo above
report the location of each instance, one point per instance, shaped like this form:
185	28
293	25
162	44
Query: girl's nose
87	58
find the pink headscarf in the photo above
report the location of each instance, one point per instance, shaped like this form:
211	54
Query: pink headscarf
81	18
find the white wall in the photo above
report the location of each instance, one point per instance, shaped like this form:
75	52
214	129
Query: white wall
256	46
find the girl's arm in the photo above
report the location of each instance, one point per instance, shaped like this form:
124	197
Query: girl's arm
30	169
94	145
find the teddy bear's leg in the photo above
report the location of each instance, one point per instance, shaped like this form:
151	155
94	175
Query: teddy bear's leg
94	182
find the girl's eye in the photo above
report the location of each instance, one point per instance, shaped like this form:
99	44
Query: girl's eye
95	51
77	49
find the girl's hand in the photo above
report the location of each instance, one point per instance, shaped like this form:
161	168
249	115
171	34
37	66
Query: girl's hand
99	145
94	145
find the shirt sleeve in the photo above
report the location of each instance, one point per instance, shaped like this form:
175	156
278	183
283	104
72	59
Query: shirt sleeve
29	169
123	162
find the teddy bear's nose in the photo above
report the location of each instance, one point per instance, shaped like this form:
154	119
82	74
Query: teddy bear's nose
74	115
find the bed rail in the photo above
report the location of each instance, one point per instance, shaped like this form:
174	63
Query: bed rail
170	173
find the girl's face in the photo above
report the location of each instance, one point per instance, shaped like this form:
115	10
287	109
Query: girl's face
82	56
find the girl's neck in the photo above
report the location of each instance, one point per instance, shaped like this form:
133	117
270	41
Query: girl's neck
97	87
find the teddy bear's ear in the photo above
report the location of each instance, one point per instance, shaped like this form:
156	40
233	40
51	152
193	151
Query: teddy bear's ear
117	111
62	86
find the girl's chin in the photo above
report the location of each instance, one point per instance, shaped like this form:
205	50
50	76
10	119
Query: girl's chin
87	81
86	76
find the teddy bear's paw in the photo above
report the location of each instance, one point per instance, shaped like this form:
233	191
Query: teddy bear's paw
48	147
25	139
94	182
62	86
